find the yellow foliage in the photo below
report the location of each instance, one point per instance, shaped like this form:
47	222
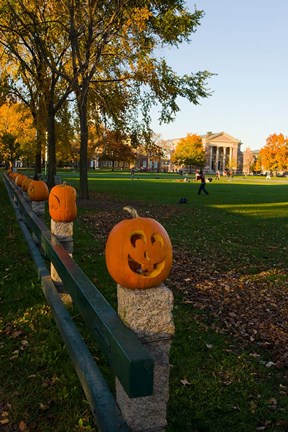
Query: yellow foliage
138	19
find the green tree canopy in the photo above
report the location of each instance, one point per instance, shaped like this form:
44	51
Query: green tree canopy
105	52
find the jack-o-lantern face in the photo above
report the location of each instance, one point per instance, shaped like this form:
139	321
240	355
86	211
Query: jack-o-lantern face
62	203
139	253
25	184
19	179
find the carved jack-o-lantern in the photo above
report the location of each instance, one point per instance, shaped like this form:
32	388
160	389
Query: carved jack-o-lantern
138	252
25	184
12	175
62	203
19	179
38	190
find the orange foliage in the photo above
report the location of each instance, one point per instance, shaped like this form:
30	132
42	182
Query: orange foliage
274	155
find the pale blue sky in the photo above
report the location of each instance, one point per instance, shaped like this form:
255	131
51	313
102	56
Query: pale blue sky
245	42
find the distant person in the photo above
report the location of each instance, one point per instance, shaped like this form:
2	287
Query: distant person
202	186
268	175
217	175
132	173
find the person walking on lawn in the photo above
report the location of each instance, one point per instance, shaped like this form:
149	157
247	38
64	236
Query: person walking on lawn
202	186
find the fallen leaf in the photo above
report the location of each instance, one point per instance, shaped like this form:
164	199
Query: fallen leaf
272	401
185	382
43	407
4	421
16	333
253	407
22	426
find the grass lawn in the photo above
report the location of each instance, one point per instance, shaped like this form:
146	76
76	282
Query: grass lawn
229	356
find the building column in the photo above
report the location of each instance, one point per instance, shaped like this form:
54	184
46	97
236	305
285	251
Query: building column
224	158
231	157
217	158
211	158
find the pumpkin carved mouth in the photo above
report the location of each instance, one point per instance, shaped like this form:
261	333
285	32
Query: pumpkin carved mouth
146	256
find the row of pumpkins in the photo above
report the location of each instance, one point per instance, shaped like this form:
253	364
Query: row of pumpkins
138	250
61	199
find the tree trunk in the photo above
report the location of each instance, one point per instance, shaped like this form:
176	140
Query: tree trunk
83	166
40	142
51	165
38	161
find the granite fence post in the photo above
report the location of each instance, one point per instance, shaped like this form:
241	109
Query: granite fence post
148	313
38	208
64	234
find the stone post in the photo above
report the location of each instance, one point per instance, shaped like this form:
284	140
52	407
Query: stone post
148	312
64	233
38	208
27	198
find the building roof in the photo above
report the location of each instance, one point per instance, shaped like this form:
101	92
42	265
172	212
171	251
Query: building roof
220	136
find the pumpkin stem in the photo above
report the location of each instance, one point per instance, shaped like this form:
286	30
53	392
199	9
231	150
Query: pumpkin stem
132	211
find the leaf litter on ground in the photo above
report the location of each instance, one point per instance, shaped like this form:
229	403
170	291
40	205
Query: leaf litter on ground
251	307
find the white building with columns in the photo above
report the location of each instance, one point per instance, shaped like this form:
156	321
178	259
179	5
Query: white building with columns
222	152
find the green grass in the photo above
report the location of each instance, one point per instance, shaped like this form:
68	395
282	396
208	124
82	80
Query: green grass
218	383
38	383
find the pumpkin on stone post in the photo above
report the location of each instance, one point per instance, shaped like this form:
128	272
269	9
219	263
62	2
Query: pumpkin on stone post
62	203
25	184
38	190
19	179
138	252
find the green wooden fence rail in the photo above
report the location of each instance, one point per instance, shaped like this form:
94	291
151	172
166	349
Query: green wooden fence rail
129	360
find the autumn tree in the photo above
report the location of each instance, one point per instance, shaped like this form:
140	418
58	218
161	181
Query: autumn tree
111	48
274	155
105	51
24	27
116	148
190	151
17	134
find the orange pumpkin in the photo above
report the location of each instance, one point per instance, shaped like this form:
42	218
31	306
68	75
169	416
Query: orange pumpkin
62	203
19	179
15	175
25	184
38	190
138	252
